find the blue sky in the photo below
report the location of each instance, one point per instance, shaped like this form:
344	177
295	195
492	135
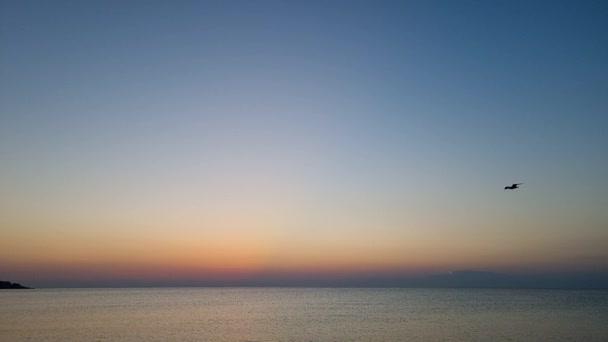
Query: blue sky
305	126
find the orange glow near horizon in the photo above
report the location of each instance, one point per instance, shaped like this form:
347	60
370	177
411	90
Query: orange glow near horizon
237	237
232	254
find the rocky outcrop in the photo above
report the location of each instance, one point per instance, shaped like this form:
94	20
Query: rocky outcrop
7	285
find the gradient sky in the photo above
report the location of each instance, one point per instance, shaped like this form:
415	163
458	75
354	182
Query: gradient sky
194	140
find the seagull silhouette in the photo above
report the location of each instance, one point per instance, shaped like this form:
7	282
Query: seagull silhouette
513	187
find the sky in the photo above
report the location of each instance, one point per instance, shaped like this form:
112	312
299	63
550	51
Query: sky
148	142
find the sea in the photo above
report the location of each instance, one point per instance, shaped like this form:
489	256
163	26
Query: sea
302	314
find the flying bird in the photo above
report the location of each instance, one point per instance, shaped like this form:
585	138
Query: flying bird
513	187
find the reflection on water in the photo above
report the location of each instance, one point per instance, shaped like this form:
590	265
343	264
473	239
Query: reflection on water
276	314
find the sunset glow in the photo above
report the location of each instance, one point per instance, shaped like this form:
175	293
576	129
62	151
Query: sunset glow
229	140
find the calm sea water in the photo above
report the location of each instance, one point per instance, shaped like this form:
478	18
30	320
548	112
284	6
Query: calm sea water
276	314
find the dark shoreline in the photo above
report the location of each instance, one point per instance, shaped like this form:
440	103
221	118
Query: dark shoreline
7	285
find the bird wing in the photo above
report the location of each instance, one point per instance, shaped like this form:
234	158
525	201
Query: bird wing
516	184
